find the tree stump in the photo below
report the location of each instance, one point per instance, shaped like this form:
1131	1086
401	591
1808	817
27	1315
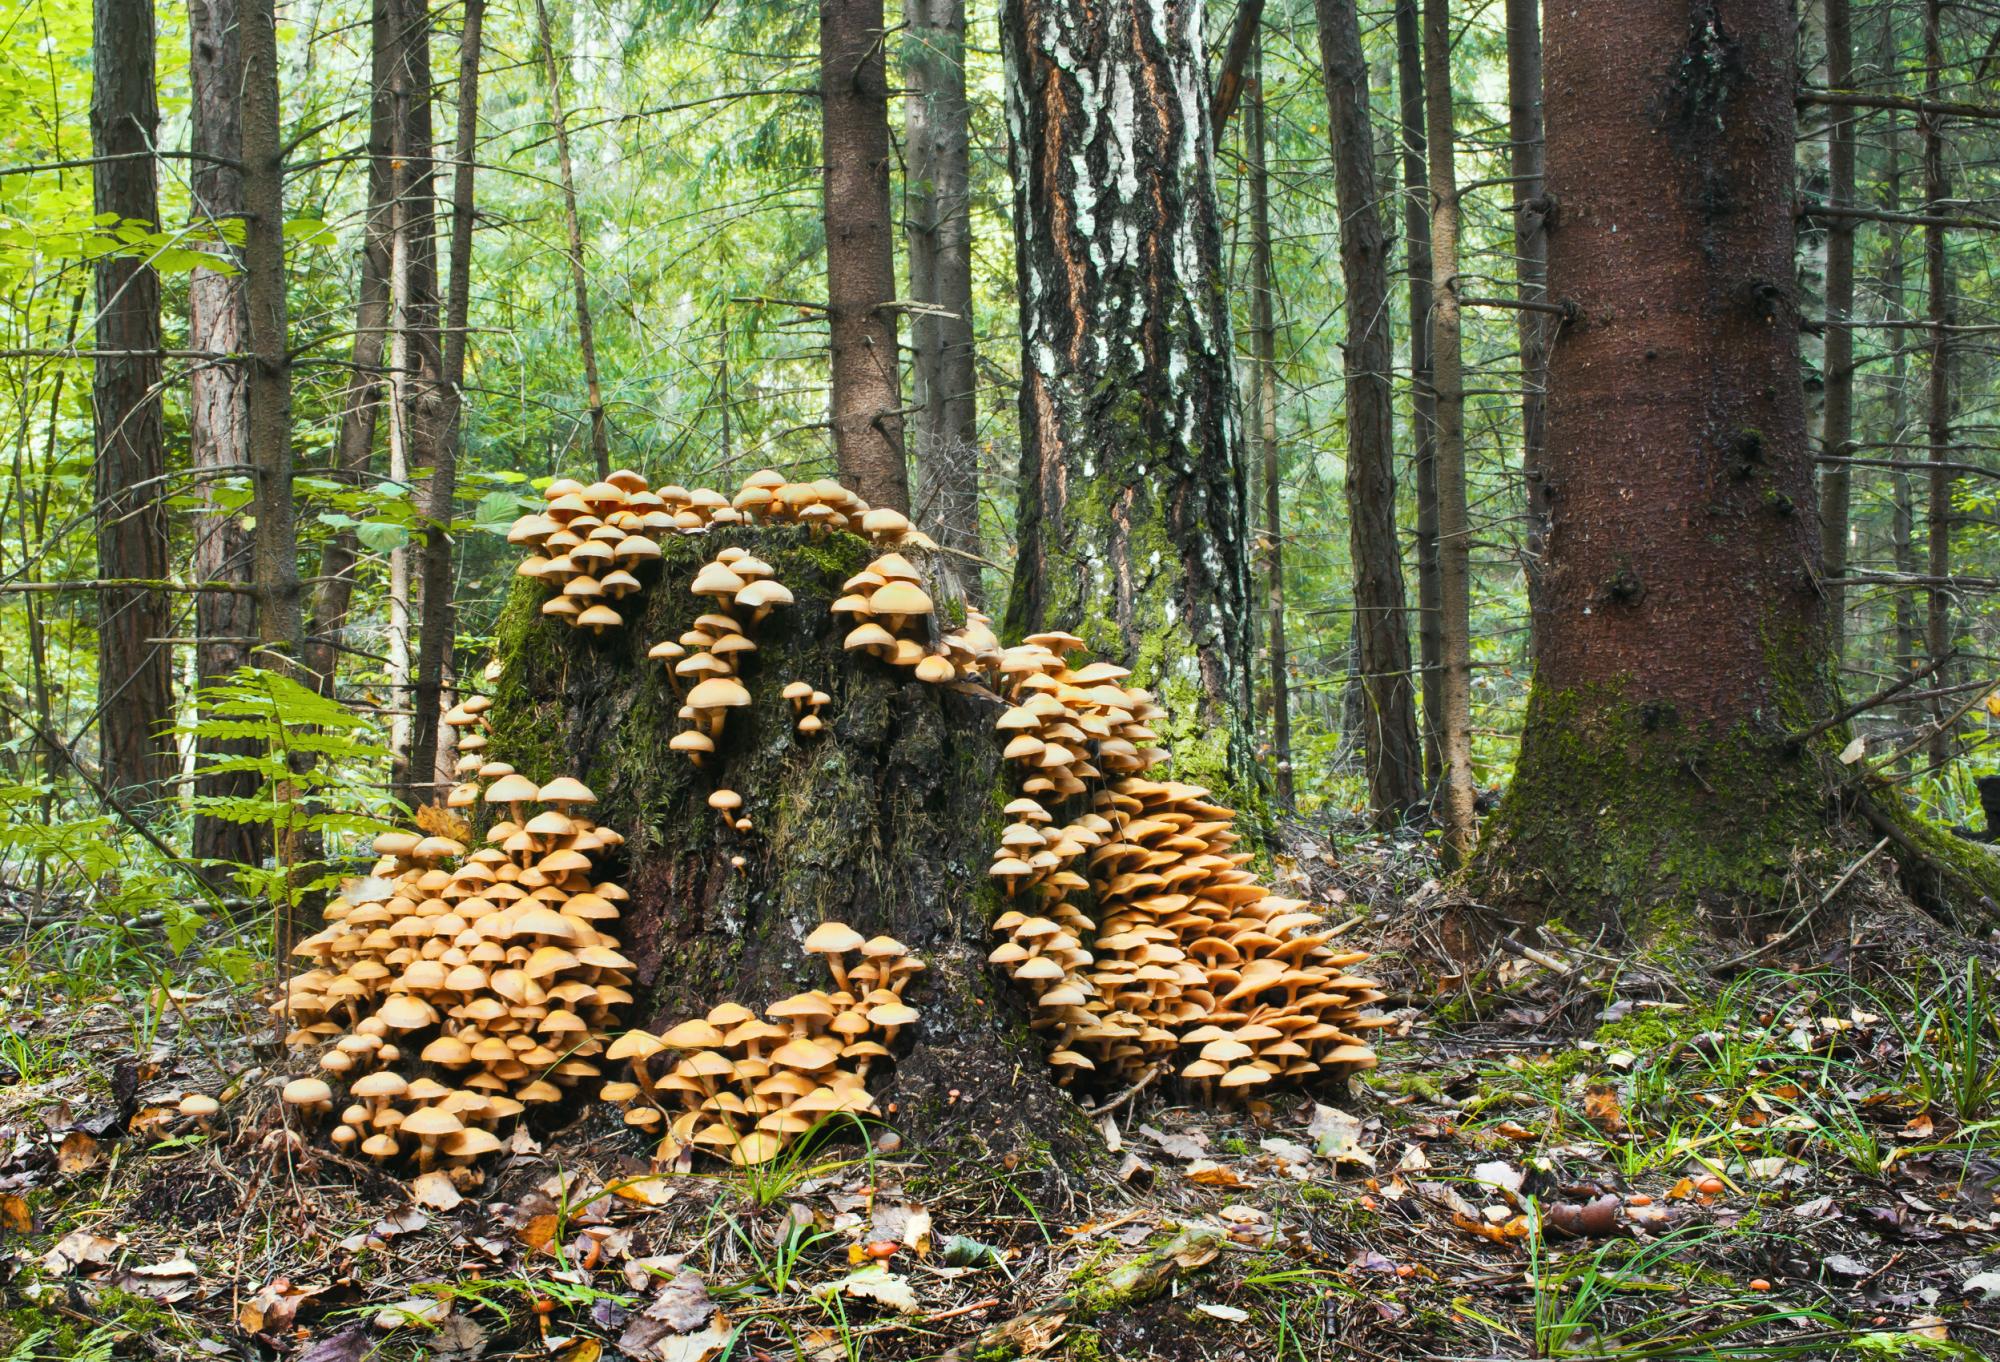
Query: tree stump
885	820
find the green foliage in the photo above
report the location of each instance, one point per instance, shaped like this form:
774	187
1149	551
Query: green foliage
312	760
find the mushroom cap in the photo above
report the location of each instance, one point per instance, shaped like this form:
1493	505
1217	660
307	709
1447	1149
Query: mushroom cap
566	790
725	799
635	1044
512	789
900	598
198	1104
431	1121
718	692
697	1033
832	938
307	1092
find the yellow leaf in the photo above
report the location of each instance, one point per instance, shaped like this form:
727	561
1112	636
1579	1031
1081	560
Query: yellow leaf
15	1215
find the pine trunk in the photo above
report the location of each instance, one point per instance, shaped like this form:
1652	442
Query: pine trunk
1837	418
1937	409
361	403
1389	735
1423	400
867	401
1683	633
1264	389
218	411
944	377
886	820
1531	265
1133	518
134	670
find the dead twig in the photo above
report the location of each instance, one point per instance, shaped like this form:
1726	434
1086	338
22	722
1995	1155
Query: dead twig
1805	917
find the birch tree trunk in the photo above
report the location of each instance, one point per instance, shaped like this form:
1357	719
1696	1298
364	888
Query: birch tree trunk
1461	822
938	226
134	673
1389	736
1133	518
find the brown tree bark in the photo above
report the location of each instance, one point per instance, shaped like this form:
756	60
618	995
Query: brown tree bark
1683	633
937	211
586	339
1389	738
1531	264
866	407
441	408
1937	406
134	676
1837	414
1264	411
274	542
361	402
1133	517
1423	400
1461	822
218	411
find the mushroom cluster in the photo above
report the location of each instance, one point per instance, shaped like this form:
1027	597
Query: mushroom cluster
705	664
743	1087
450	991
889	616
591	542
1187	951
467	721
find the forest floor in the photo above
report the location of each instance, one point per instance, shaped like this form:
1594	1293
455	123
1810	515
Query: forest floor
1558	1157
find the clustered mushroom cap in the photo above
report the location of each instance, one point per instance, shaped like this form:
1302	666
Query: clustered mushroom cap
747	1086
1183	956
496	969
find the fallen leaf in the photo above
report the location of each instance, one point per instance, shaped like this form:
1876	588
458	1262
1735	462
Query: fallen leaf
1985	1285
1226	1312
15	1215
1601	1109
1500	1174
874	1284
695	1347
646	1191
538	1232
1844	1265
79	1248
77	1154
1191	1146
419	1312
1336	1135
349	1345
1286	1151
1209	1173
436	1191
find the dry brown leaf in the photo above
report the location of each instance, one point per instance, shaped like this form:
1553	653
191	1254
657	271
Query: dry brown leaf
77	1154
15	1215
1601	1109
1209	1173
538	1232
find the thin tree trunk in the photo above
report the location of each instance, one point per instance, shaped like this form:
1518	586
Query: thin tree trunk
938	217
1461	825
600	430
361	403
1908	652
1133	511
1837	416
275	538
442	407
1389	739
867	401
1264	408
217	407
1423	399
134	676
1531	265
1937	410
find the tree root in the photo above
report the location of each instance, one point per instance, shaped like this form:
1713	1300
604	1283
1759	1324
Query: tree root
1128	1284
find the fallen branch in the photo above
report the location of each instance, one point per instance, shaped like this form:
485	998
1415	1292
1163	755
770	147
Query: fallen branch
1794	741
1804	918
1122	1098
1907	845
